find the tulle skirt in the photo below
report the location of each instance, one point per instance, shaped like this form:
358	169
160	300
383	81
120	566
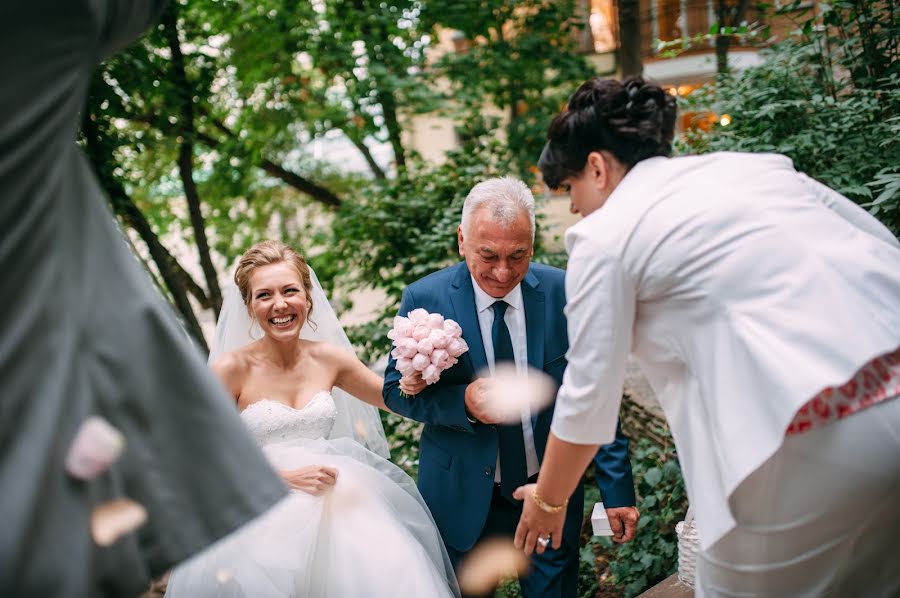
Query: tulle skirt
370	536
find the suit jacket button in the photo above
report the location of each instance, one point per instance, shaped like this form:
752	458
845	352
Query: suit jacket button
488	471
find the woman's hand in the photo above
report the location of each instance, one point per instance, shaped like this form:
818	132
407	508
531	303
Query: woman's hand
313	479
412	384
537	529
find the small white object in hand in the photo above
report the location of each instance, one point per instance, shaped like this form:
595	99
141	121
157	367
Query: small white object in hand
96	446
599	521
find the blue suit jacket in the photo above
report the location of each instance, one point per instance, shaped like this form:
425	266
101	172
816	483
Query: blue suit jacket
457	458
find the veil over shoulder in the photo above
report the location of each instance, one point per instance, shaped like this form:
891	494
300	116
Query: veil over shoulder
356	419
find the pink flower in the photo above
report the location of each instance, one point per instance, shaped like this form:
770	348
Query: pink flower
431	374
420	362
425	347
452	328
439	339
440	359
435	321
404	366
457	347
427	343
96	446
418	316
407	348
402	328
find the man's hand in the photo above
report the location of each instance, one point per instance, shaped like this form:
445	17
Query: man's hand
412	384
478	402
623	523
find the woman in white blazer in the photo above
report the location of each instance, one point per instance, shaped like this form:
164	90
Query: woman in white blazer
765	310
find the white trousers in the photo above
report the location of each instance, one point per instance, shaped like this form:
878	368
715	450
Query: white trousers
820	518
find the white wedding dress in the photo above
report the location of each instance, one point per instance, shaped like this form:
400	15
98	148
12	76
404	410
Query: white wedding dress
370	536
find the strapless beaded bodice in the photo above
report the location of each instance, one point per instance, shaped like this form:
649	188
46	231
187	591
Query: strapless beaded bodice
270	421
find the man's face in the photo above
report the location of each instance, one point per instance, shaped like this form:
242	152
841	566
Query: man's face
498	256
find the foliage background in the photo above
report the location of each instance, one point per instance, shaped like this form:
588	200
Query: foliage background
204	136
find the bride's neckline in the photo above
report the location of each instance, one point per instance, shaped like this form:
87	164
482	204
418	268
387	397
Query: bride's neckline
316	395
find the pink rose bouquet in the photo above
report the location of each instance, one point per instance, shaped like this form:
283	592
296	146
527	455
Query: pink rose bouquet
426	343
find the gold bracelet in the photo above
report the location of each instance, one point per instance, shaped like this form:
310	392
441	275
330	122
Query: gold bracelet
545	506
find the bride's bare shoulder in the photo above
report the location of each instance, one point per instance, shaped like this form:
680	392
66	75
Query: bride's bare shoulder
330	354
233	367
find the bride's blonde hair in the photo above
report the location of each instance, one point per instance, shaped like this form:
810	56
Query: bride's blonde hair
266	253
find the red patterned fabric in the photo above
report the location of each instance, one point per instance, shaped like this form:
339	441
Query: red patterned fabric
876	381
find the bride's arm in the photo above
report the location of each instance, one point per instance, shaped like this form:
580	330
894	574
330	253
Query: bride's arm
355	378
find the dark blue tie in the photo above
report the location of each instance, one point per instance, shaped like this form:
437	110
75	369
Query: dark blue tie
513	468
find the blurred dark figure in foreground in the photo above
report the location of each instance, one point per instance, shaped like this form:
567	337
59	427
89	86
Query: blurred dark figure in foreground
83	332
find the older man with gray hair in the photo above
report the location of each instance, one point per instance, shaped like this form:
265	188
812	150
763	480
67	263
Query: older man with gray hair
471	462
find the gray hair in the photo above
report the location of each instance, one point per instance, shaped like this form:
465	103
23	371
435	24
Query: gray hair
504	197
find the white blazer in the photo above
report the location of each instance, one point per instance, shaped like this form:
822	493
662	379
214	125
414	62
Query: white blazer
743	288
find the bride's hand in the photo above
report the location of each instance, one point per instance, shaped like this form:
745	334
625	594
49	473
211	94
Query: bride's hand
412	384
313	479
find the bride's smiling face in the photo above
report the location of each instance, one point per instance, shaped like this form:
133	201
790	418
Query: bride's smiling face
278	300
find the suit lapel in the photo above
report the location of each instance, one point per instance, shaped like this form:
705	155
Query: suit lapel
533	299
462	297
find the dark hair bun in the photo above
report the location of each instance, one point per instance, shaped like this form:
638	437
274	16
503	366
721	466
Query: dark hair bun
633	119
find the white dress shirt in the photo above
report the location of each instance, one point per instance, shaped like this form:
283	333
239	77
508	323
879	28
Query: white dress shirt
515	322
743	288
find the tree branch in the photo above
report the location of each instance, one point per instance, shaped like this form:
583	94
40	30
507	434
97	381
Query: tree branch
186	155
315	191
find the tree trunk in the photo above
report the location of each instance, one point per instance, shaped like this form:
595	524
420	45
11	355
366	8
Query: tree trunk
722	44
392	123
177	281
385	97
186	156
630	60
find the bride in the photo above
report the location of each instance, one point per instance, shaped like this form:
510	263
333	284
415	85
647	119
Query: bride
355	524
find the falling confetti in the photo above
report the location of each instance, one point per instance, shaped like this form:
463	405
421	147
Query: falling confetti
96	446
510	391
489	563
115	518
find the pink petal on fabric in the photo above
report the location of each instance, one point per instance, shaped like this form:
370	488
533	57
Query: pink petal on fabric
489	563
115	518
96	446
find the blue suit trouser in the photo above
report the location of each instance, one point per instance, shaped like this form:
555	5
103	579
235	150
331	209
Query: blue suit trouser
553	574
